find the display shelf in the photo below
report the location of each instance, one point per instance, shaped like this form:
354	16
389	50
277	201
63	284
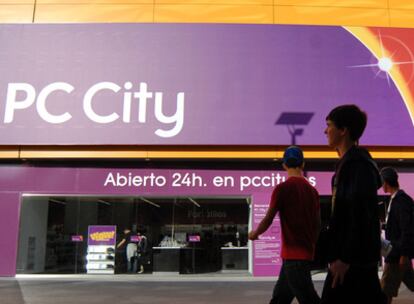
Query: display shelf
100	259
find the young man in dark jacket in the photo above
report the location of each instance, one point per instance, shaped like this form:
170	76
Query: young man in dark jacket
400	232
354	228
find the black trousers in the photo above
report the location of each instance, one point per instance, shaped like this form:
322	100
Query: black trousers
295	281
361	285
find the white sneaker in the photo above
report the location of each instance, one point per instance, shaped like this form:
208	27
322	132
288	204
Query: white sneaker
141	270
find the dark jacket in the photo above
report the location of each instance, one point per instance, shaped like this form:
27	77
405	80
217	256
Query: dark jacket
400	227
143	245
354	228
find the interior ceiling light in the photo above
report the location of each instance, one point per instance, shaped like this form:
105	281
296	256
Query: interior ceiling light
194	202
104	202
149	202
52	200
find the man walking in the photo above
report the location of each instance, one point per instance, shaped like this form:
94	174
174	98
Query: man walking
399	231
354	227
298	205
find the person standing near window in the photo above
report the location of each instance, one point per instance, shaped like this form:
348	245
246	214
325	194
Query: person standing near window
142	252
130	252
399	231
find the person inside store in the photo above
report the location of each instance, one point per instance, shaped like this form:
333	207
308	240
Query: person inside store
399	230
142	252
353	249
297	203
130	250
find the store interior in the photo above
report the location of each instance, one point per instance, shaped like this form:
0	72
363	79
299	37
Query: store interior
185	235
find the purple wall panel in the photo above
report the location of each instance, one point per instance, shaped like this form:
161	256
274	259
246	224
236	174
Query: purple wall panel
9	231
15	180
236	81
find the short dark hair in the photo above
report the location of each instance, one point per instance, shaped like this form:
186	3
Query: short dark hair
350	117
390	176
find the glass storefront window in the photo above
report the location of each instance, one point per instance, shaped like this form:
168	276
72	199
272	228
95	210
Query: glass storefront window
54	232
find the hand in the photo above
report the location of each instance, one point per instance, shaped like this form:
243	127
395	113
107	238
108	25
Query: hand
253	235
338	270
404	261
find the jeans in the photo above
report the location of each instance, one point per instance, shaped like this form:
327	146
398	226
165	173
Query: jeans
132	265
294	281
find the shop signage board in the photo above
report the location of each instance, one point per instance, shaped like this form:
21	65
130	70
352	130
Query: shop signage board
101	235
255	185
201	84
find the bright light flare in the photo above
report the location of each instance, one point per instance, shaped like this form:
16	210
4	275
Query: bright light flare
385	64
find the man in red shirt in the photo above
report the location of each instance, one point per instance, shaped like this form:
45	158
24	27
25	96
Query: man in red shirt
297	203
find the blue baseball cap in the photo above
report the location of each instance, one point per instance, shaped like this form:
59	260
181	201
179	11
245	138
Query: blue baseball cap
293	157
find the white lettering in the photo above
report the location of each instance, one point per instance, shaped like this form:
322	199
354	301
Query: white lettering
142	95
132	102
244	182
13	104
126	117
218	181
271	180
87	102
130	180
266	181
312	180
177	118
110	180
41	102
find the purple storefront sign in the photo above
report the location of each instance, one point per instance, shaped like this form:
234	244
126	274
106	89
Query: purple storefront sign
18	180
190	84
194	238
101	235
77	238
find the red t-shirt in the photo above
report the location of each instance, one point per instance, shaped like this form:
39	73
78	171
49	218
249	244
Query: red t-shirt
297	203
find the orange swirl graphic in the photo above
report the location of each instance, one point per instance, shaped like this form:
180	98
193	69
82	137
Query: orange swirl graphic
395	44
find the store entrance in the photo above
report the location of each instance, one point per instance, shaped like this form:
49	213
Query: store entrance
183	235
